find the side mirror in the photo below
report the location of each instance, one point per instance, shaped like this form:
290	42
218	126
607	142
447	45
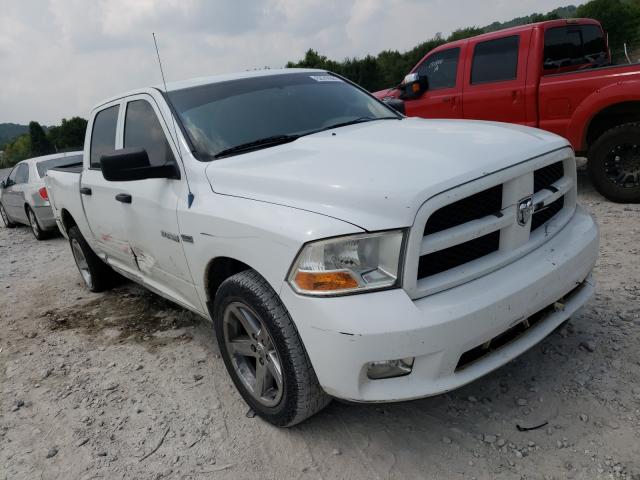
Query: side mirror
413	86
131	164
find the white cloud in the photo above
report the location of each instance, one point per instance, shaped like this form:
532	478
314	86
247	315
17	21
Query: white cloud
60	57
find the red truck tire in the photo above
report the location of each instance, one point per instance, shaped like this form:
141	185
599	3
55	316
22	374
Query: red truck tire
614	163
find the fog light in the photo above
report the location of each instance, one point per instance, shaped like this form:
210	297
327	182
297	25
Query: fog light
389	368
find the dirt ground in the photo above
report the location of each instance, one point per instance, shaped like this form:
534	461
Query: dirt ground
126	385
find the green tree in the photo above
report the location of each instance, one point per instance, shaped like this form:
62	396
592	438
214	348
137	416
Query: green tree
18	149
621	20
68	135
40	145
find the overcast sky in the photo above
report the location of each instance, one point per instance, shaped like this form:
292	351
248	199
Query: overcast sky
60	57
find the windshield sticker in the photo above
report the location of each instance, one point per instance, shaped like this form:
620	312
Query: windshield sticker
325	78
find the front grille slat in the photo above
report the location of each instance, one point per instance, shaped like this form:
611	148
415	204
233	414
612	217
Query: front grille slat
443	260
543	216
476	206
546	176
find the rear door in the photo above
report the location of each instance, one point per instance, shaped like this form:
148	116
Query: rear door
8	197
151	220
104	213
443	99
495	79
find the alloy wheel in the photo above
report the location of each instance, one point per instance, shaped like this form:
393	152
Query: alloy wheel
81	262
34	223
253	354
622	165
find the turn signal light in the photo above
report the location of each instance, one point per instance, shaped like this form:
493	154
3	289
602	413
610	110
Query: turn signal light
43	193
325	281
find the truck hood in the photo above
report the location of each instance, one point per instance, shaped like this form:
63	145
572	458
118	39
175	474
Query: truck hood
376	175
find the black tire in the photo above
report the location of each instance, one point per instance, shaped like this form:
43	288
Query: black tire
614	155
100	275
37	231
5	218
300	395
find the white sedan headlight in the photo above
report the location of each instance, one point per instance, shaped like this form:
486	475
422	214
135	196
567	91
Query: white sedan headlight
349	264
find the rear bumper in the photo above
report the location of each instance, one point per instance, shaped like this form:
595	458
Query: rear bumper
343	334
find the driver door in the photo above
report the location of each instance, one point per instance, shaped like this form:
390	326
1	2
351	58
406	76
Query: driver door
443	99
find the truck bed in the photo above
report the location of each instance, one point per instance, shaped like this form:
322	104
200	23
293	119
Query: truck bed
71	168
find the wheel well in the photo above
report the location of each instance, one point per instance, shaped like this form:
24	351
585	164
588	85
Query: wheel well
218	270
610	117
67	220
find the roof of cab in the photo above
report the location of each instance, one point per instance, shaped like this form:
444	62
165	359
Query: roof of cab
196	82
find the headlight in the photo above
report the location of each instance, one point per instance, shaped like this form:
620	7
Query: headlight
348	264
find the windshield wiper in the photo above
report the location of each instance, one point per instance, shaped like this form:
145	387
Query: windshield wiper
352	122
257	144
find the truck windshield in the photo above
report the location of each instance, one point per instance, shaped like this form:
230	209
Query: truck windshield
232	117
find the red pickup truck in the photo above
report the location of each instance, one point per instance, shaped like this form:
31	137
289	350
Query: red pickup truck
553	75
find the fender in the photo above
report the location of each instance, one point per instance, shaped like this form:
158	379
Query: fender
617	92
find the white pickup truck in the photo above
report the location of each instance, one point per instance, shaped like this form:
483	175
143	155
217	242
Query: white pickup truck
340	249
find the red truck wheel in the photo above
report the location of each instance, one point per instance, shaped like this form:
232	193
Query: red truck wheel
614	163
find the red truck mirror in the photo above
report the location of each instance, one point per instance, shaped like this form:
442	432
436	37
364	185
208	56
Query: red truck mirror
414	86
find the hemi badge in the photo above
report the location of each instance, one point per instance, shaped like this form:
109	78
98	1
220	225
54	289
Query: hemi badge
187	238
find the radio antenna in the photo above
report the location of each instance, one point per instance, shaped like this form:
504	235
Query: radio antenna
190	196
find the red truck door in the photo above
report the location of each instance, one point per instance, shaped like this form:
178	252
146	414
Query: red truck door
443	99
495	79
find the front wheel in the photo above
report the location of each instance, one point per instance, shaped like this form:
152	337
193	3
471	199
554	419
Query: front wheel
96	274
263	352
614	163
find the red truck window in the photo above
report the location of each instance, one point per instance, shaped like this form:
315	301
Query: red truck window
495	60
441	68
574	45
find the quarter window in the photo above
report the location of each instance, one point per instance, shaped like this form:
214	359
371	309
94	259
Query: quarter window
495	60
143	130
103	135
441	69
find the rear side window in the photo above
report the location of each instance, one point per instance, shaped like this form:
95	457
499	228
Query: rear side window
22	175
103	135
495	60
142	130
574	45
441	69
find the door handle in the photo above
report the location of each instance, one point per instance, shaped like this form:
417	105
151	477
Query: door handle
123	197
85	190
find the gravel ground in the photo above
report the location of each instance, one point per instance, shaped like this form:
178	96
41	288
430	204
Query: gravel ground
125	385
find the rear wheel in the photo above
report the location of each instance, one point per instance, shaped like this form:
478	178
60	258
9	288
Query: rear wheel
614	163
96	274
35	226
263	352
5	218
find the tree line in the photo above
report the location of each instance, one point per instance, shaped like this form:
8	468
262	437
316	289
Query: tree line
67	136
620	18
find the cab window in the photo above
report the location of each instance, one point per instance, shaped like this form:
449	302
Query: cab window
143	130
103	135
441	69
495	60
574	45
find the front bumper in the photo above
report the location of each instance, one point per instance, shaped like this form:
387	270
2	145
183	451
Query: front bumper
343	334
